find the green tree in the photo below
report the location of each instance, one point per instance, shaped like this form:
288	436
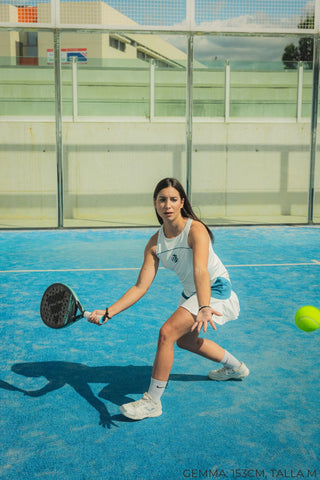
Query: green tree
304	51
290	56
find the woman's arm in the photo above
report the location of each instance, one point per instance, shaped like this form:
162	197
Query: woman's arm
199	242
147	273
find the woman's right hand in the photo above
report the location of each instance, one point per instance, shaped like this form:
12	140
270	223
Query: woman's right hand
95	317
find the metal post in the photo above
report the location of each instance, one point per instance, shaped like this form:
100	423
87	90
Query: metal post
314	123
58	119
299	92
227	92
190	14
189	115
152	98
74	89
55	12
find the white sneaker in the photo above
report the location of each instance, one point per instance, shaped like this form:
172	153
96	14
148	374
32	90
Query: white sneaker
226	373
143	408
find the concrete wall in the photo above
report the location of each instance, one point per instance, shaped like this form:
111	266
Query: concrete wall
242	173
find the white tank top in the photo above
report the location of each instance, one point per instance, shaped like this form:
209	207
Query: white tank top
175	254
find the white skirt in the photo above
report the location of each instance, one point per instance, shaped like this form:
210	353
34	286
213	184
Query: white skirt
229	308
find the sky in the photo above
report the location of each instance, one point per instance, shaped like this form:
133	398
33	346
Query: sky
251	14
215	15
209	49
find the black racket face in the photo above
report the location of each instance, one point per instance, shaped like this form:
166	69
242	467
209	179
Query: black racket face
58	306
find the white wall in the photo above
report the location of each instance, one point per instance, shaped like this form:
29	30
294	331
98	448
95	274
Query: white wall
240	171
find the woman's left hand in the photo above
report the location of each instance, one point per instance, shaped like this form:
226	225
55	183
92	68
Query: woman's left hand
203	318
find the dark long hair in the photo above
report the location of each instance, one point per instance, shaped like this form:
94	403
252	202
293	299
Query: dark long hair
186	210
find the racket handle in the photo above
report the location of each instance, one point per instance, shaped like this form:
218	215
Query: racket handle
87	315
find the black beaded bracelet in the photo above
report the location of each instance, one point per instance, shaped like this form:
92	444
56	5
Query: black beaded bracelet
106	315
204	306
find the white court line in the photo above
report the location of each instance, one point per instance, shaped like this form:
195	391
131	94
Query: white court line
71	270
313	262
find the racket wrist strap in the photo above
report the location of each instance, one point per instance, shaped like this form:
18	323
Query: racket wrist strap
106	315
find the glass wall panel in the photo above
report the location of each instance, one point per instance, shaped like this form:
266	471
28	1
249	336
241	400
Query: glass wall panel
316	208
316	211
26	90
113	91
124	97
257	92
250	172
307	91
170	91
209	92
170	79
113	153
28	180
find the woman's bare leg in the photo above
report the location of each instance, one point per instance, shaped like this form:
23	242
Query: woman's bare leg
201	346
177	329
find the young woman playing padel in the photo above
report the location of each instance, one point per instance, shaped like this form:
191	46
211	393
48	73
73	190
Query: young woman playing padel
182	244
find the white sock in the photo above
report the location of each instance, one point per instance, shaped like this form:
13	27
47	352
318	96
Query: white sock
230	361
156	389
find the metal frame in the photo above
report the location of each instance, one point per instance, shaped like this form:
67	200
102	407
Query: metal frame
58	115
314	124
188	26
190	29
189	117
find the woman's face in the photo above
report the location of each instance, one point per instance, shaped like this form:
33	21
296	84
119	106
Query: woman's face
169	204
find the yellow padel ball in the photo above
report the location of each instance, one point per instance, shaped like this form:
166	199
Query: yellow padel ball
308	318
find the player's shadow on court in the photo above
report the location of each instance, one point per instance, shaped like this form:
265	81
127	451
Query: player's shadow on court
121	383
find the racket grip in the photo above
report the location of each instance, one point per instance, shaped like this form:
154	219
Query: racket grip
87	315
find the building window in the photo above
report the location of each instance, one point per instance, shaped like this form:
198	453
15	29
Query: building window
27	48
148	58
117	44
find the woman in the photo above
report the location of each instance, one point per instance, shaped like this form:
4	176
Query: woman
183	244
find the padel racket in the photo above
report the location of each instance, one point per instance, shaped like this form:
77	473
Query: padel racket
60	307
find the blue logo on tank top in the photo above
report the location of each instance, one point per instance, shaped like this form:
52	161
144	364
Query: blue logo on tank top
174	258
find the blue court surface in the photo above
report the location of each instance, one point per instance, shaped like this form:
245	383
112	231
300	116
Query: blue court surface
61	389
